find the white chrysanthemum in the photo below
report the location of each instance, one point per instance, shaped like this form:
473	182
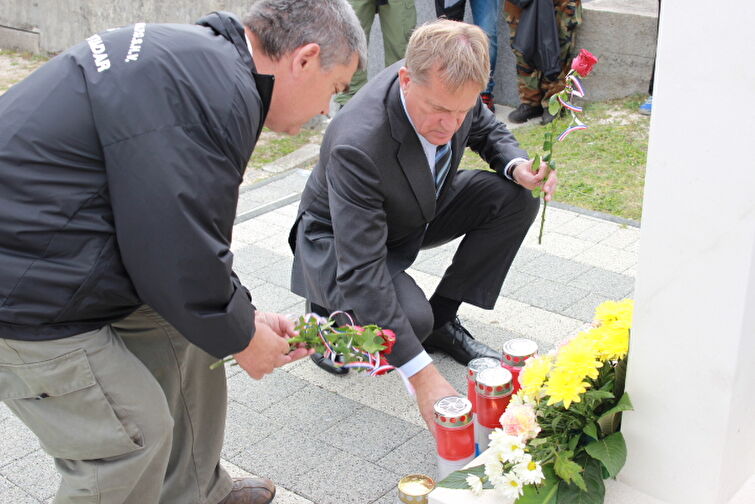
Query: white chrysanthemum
493	470
509	486
506	448
529	471
475	484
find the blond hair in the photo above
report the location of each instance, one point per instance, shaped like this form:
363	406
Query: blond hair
458	51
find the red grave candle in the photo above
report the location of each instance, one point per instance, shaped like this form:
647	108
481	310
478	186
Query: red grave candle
474	367
454	434
494	389
515	354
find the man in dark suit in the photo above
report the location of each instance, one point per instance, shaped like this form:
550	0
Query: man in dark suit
387	185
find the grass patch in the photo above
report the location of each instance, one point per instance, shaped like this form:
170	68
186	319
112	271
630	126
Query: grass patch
601	168
272	146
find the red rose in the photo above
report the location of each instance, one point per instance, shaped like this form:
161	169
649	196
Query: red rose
389	339
584	62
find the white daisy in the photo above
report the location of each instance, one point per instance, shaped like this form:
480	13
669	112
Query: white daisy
529	471
475	484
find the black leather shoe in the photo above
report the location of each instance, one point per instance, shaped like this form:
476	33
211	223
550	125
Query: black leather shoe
524	112
327	364
455	340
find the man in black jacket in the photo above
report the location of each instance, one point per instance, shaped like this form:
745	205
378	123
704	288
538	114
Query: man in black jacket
120	164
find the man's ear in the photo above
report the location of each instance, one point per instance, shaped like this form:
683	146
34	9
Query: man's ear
306	57
404	77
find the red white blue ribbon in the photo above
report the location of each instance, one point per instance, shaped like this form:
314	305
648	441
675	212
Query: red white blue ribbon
372	363
576	86
578	126
568	105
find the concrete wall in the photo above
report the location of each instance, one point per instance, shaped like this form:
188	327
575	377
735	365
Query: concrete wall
620	32
691	437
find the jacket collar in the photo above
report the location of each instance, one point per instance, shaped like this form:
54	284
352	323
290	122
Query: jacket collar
411	157
228	26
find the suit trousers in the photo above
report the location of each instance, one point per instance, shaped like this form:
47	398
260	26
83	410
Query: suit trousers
131	413
493	216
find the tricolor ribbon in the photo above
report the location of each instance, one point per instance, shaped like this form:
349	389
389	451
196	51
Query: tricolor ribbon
372	365
578	126
577	86
568	105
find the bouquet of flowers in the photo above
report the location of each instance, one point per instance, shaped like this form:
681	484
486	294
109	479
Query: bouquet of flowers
559	435
360	347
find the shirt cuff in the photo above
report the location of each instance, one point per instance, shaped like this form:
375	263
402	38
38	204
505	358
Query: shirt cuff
416	365
511	163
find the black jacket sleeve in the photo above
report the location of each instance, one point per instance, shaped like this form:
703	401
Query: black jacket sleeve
174	193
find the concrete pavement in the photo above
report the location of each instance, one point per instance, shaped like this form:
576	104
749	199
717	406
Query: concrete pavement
326	439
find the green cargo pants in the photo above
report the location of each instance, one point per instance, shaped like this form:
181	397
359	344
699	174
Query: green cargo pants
397	20
131	413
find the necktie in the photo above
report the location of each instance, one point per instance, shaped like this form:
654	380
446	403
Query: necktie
442	164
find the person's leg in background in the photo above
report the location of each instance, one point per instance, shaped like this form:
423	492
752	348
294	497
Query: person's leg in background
568	18
485	15
397	20
647	107
527	76
365	11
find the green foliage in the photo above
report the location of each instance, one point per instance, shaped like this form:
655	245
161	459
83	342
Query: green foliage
611	451
544	493
568	470
594	491
624	404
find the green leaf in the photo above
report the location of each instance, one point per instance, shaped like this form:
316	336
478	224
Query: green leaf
567	469
553	106
624	404
536	163
598	395
370	341
591	430
611	451
536	192
547	145
537	441
544	493
547	157
552	164
594	491
574	441
458	479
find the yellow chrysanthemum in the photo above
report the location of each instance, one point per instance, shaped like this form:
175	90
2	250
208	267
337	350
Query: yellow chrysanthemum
611	340
533	375
612	311
565	386
579	357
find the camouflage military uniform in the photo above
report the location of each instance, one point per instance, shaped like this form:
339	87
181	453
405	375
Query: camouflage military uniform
534	89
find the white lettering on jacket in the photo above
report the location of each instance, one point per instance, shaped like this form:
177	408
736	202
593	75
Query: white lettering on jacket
97	46
136	42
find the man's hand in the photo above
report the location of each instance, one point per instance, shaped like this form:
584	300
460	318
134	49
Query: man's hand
430	386
524	176
269	347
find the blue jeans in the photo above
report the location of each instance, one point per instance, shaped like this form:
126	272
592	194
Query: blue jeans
485	15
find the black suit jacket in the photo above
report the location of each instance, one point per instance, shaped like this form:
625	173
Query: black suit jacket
367	204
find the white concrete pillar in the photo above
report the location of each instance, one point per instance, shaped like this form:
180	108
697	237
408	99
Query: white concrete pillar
692	360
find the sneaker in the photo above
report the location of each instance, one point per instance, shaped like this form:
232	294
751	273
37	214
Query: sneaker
524	112
487	99
647	107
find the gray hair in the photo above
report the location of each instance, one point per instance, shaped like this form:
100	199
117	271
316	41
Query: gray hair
284	25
